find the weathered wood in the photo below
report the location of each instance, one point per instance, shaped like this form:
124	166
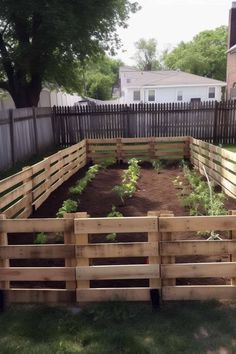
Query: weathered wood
199	292
198	270
197	223
69	238
134	271
40	296
190	248
4	263
166	236
118	225
37	274
113	294
154	237
37	251
127	249
32	225
81	238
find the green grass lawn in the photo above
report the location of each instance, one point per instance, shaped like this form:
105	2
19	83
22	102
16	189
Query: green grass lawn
184	328
230	147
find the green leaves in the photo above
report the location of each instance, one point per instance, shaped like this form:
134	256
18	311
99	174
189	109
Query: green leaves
68	206
83	182
205	55
129	181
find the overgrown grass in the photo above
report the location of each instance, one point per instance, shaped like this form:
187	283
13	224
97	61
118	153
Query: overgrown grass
179	328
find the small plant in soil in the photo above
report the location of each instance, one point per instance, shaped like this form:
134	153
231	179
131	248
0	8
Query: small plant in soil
157	165
107	162
113	214
41	238
129	181
83	182
68	206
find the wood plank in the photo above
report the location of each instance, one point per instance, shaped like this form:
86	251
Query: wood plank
198	270
4	263
197	223
199	292
32	225
40	296
14	194
154	237
37	274
118	225
127	249
113	294
16	207
134	271
187	248
11	181
37	251
82	239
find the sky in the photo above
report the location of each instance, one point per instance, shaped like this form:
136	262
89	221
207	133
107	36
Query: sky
170	22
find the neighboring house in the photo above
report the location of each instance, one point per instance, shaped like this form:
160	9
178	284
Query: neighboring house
166	86
231	54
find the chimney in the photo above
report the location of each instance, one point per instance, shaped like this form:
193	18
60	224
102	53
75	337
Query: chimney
232	26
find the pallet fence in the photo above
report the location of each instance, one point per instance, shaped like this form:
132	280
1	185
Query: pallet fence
158	259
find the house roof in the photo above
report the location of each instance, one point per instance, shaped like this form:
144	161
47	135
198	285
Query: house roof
139	78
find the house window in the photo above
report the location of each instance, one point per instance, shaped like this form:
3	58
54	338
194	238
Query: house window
212	92
151	95
136	95
179	95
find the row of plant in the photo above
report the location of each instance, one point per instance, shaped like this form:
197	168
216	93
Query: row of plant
129	182
199	197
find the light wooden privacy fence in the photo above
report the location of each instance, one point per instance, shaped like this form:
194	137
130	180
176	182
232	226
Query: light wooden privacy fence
157	255
220	164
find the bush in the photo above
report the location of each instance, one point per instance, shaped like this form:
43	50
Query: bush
68	206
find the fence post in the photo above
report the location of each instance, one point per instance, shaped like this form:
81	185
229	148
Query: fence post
69	238
4	262
233	237
154	237
35	130
82	239
215	138
12	136
167	236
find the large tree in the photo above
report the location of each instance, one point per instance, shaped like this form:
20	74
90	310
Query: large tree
44	40
205	55
146	56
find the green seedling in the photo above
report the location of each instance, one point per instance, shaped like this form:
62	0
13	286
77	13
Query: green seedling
68	206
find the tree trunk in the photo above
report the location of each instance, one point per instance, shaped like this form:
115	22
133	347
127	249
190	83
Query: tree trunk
26	95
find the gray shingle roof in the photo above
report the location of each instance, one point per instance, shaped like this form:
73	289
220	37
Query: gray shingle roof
165	78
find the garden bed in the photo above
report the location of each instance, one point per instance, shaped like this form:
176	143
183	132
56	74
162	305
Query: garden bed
155	191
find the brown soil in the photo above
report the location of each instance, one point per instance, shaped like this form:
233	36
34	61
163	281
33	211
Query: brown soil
155	192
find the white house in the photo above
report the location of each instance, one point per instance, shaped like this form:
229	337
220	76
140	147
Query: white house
166	86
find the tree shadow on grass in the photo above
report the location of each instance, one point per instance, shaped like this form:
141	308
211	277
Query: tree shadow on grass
189	327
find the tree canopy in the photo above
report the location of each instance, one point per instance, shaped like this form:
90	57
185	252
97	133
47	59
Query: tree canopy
44	40
97	77
146	55
205	55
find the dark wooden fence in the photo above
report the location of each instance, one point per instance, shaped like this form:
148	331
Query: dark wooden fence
210	121
24	132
